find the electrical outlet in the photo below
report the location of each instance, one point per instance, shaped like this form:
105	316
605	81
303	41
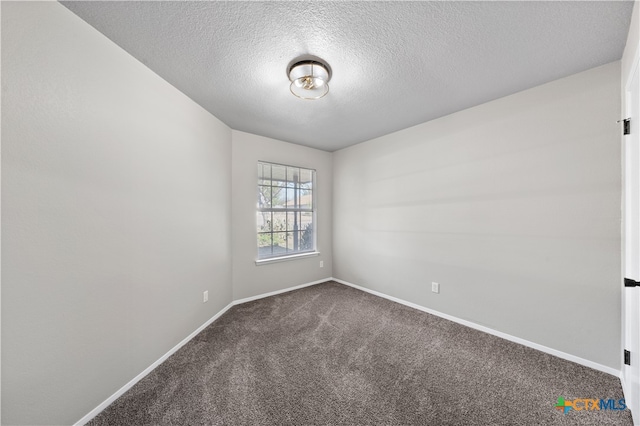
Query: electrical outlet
205	296
322	263
435	287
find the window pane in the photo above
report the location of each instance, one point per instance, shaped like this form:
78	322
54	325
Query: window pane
264	245
279	221
278	173
264	221
306	180
279	195
293	221
264	196
306	185
293	242
306	220
293	176
306	199
306	238
306	231
279	242
264	172
292	202
289	242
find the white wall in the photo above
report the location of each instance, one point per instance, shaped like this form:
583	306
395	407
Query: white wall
512	206
248	278
116	215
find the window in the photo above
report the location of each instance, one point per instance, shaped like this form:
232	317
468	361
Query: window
286	210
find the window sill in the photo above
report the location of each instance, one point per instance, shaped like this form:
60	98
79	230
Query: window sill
286	258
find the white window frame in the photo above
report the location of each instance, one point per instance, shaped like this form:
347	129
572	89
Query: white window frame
262	210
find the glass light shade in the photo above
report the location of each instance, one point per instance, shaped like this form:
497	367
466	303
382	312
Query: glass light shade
309	80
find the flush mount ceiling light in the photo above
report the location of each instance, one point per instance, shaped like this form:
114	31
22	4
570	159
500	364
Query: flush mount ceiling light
309	78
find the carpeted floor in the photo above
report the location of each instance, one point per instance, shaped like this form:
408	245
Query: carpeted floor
330	354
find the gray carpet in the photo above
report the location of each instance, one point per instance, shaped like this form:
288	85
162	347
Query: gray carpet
330	354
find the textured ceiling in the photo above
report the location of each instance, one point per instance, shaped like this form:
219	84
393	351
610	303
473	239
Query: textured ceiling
395	64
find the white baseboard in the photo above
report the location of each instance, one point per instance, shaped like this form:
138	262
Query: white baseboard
545	349
273	293
149	369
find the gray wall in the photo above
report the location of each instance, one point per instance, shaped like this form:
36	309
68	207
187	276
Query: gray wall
116	216
512	206
248	278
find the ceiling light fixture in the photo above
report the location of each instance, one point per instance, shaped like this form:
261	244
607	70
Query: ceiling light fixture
309	78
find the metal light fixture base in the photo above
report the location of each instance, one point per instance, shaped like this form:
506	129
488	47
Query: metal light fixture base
309	78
